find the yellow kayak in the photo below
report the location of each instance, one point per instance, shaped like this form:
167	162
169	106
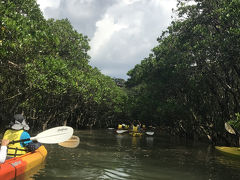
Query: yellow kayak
134	134
18	166
231	151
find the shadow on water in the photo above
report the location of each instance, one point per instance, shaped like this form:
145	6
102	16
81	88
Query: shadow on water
107	155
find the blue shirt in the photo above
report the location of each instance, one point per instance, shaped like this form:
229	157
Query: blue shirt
25	135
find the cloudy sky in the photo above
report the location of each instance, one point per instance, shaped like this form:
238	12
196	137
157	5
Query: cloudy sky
121	32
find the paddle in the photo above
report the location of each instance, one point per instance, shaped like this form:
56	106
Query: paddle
229	128
71	143
51	136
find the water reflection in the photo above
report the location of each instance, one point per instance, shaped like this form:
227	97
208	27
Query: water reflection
135	142
107	155
30	175
119	138
118	173
149	140
230	162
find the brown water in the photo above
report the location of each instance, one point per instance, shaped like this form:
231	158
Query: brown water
102	154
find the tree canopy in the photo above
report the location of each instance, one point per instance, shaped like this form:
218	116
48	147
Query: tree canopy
44	72
190	81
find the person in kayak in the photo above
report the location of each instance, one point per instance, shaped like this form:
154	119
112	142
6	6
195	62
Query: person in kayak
3	151
135	127
18	131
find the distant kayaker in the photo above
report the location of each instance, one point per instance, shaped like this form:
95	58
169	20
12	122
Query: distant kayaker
18	131
135	127
3	151
120	126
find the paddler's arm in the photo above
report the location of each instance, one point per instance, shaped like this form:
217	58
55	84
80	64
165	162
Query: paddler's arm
3	151
30	145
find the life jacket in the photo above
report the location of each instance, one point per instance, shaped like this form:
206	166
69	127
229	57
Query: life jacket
119	126
135	128
14	149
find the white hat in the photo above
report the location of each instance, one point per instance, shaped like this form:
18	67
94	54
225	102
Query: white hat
20	123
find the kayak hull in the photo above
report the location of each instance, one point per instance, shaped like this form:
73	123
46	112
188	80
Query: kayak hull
135	134
121	131
230	151
17	166
150	133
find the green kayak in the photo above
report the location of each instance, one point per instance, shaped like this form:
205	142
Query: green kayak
231	151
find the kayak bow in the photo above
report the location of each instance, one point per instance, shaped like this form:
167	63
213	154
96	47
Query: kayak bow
18	166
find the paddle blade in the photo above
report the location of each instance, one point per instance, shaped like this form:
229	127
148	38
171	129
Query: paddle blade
229	128
54	135
73	142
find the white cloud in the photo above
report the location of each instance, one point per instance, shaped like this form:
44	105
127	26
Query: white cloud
48	3
129	1
105	29
165	4
122	32
143	22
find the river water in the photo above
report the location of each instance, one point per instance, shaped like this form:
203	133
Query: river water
103	154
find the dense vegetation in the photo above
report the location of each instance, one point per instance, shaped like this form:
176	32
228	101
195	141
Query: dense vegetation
44	72
190	82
